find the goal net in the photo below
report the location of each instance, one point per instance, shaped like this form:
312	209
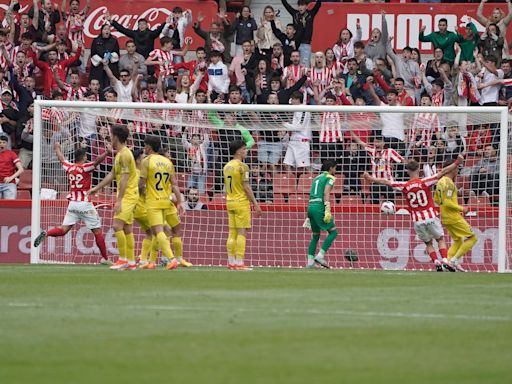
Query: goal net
290	143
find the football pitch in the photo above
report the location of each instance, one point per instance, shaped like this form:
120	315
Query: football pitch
86	324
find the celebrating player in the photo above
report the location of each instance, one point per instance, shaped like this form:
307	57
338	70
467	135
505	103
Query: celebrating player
127	180
422	209
79	207
157	182
458	228
319	214
238	204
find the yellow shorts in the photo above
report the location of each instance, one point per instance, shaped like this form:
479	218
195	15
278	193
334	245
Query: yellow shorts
239	214
159	216
459	229
127	209
140	215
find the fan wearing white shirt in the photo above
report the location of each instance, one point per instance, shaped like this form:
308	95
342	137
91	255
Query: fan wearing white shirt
123	87
218	76
297	153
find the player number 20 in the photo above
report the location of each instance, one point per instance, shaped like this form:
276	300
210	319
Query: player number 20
417	199
159	177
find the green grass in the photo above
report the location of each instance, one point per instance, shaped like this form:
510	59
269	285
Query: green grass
61	324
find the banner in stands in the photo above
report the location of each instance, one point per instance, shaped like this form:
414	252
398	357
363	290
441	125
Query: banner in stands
404	21
128	12
390	243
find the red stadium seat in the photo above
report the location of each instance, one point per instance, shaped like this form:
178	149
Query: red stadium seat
23	195
25	180
304	185
351	200
298	199
284	184
181	179
204	198
218	198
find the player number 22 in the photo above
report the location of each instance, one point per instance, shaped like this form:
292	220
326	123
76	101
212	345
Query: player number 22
417	199
160	176
76	180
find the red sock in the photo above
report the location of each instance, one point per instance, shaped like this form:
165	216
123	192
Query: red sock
55	232
433	256
100	242
444	253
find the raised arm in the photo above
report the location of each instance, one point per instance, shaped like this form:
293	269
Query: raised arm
451	167
58	152
120	28
113	80
480	14
35	19
288	7
507	19
103	156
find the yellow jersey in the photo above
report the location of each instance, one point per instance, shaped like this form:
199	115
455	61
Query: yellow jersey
125	163
157	170
446	197
235	174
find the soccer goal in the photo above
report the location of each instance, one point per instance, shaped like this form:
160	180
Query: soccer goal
290	143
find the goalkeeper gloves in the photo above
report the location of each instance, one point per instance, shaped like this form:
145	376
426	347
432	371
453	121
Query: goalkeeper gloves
327	214
307	223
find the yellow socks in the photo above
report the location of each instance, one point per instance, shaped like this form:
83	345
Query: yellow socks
154	250
240	248
465	247
146	248
130	247
177	246
231	245
121	244
454	248
163	243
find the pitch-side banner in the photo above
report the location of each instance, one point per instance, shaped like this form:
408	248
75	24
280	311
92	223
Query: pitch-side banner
404	21
128	12
276	239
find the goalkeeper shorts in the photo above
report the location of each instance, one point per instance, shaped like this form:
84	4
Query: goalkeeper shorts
316	217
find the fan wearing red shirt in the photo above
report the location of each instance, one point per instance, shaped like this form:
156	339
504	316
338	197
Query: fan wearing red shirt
422	209
10	169
79	207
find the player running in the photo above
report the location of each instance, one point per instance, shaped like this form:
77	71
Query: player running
158	182
319	214
452	219
238	204
79	207
127	180
425	214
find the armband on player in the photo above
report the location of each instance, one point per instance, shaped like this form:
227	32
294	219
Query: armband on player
327	214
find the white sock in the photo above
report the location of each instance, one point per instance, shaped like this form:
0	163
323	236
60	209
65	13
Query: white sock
231	260
239	262
179	259
321	254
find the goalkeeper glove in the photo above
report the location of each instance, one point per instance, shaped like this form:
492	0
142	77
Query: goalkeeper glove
307	223
327	214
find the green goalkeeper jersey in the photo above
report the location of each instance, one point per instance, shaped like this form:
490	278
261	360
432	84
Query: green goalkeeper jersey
316	194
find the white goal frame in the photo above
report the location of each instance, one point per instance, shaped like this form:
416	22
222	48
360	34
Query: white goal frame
40	104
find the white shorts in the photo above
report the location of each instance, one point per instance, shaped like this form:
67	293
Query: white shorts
297	154
429	229
82	210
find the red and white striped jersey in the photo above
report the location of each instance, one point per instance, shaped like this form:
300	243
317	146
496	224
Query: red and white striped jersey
423	127
75	25
74	94
292	74
382	161
198	124
336	67
330	127
3	61
55	116
323	76
143	123
116	114
165	58
420	203
172	118
79	177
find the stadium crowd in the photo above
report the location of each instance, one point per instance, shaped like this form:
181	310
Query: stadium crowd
246	59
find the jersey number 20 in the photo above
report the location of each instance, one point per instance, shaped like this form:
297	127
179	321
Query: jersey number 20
417	199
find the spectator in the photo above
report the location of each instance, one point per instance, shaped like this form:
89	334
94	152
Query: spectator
262	186
293	72
265	36
403	96
492	43
123	87
126	60
270	146
197	160
215	40
143	37
298	151
10	169
74	19
50	83
497	17
175	28
283	94
479	138
9	115
431	71
364	64
87	130
485	176
425	126
468	43
218	77
407	69
48	17
192	202
303	22
334	65
354	162
376	46
331	137
243	27
26	126
344	47
490	81
290	40
354	81
104	49
236	70
260	83
72	91
27	24
455	143
197	67
441	90
506	67
443	39
432	163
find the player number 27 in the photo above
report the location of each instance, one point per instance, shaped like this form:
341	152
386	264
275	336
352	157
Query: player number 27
230	178
417	199
160	176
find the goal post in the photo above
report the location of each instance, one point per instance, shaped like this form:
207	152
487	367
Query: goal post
368	239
